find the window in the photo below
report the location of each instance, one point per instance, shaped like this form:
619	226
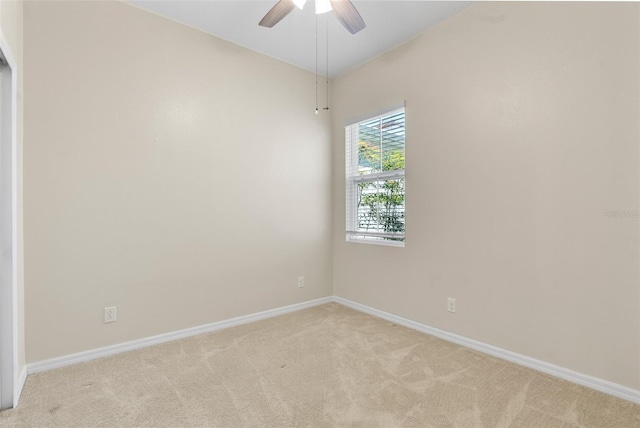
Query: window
375	179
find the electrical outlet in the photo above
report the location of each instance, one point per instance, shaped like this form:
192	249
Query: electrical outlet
300	281
451	305
110	314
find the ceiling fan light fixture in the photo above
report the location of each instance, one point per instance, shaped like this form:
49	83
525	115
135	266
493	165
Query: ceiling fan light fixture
344	10
323	6
299	3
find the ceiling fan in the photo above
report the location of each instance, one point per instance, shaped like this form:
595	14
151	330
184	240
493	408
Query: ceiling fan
345	11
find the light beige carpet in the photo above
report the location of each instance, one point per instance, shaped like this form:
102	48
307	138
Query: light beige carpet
328	366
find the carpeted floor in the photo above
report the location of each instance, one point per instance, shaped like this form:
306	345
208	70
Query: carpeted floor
327	366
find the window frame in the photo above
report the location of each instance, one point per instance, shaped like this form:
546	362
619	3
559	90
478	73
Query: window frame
352	180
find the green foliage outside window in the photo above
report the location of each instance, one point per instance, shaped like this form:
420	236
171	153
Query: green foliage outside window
380	202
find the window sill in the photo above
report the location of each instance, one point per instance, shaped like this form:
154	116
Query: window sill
375	242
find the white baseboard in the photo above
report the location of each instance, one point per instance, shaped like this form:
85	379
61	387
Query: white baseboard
80	357
592	382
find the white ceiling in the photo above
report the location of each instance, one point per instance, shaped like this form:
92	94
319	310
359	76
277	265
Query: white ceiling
293	40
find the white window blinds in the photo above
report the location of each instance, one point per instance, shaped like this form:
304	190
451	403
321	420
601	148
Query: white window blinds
375	192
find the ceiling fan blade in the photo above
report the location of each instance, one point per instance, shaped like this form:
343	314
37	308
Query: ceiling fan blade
348	15
277	12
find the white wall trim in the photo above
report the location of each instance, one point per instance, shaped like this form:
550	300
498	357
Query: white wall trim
80	357
588	381
592	382
10	310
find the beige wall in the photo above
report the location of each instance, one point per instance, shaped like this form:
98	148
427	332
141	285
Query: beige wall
11	13
522	130
178	176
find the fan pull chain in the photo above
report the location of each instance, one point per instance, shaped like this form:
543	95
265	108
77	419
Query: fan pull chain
327	21
316	64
